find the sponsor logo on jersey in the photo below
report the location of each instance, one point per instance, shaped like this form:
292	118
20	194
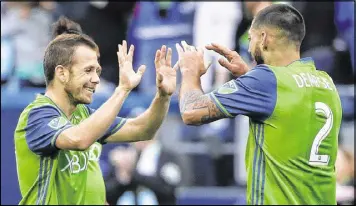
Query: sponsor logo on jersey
228	88
57	123
76	162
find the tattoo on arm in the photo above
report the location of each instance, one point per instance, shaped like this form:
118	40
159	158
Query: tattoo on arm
196	100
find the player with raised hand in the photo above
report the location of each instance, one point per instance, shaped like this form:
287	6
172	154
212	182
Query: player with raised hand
294	110
58	139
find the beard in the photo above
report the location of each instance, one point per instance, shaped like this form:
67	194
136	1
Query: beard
72	97
75	94
257	56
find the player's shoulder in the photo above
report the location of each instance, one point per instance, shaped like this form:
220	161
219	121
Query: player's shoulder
41	103
260	76
260	68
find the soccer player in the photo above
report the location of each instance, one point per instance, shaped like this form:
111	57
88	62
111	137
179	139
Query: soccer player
294	110
58	139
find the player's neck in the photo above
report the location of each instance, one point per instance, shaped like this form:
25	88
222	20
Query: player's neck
282	58
61	99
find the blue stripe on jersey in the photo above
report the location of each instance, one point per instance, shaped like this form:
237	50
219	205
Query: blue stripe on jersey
257	134
39	180
260	164
259	167
263	179
44	180
47	181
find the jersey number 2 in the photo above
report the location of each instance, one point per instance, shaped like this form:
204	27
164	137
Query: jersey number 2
315	158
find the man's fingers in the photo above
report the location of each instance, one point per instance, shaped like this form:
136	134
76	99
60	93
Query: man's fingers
119	49
119	55
141	70
209	47
131	52
176	66
185	46
124	47
163	52
158	59
169	57
225	64
179	50
200	51
219	49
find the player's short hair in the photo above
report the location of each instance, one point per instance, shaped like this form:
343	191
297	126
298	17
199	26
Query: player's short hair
283	17
67	36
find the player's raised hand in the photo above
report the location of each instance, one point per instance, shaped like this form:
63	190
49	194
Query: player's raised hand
234	63
129	79
191	59
166	76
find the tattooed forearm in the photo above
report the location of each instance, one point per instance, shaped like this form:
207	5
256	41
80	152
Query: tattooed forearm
188	98
206	110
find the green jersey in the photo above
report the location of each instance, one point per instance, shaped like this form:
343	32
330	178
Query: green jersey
48	175
295	115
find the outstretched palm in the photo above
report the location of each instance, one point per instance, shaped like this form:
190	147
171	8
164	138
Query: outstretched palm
166	76
129	79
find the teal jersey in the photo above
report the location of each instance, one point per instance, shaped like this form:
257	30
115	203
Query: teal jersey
295	115
48	175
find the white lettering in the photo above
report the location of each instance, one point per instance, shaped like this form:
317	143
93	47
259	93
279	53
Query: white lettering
299	80
305	79
79	162
310	80
84	154
327	83
313	80
94	152
68	165
75	164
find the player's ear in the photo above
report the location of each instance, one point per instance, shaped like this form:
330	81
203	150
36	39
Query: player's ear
264	40
62	73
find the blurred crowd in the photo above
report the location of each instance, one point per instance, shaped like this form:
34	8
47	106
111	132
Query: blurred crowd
149	172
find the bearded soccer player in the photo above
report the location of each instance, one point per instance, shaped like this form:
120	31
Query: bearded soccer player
294	110
58	139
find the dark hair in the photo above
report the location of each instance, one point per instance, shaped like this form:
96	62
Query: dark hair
67	36
283	17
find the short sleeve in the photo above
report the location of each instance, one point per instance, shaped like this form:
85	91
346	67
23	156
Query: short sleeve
253	94
115	126
43	127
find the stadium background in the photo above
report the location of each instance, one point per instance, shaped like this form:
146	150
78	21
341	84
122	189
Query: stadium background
210	158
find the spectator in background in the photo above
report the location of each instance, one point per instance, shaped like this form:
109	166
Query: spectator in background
27	26
121	187
145	173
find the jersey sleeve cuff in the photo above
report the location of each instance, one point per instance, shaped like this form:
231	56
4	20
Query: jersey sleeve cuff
113	131
219	105
54	138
